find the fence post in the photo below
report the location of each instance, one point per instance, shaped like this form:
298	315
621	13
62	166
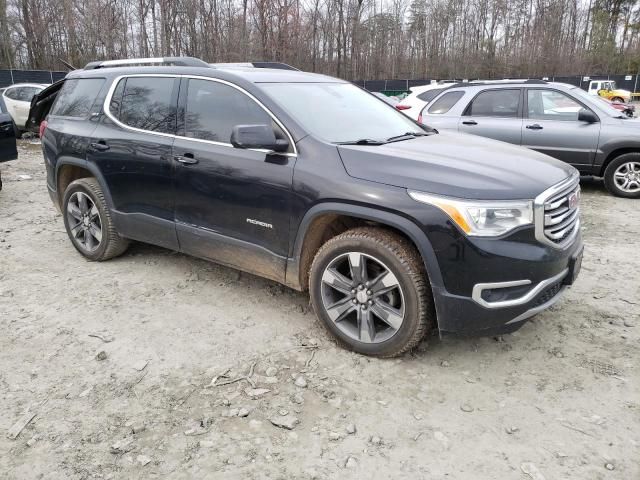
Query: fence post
11	72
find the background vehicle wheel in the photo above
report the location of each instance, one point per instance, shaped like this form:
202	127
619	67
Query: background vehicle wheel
617	99
88	221
622	176
370	289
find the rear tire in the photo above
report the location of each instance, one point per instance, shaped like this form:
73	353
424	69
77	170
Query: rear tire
370	289
88	221
622	176
617	99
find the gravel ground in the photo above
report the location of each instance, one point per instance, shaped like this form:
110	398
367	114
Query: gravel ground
158	365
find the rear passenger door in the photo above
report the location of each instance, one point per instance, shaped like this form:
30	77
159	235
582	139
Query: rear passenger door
232	205
132	148
495	113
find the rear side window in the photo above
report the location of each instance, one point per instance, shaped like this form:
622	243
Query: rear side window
13	93
213	109
445	102
145	103
76	97
495	103
429	94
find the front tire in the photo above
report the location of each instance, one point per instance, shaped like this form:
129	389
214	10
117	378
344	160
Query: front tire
88	221
370	289
622	176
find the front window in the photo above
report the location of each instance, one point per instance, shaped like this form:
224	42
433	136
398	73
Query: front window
552	105
340	112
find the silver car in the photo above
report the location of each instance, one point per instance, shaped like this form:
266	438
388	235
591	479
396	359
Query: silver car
560	120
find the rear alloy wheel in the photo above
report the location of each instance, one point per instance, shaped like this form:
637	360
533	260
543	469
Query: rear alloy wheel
622	176
369	287
88	222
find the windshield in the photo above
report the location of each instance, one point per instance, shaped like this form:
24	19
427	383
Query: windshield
340	112
593	102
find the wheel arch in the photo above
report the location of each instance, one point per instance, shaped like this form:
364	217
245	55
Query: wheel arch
615	152
310	236
68	170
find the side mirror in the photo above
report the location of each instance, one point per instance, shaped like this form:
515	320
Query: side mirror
587	116
257	136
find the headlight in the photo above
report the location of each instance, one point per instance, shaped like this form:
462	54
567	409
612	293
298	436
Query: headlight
481	218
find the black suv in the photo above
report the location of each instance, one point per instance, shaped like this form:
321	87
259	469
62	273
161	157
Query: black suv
394	228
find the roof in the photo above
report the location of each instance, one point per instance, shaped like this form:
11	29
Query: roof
250	74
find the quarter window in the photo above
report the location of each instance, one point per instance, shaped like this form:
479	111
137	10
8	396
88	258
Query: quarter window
495	103
76	97
213	109
429	94
145	103
445	102
552	105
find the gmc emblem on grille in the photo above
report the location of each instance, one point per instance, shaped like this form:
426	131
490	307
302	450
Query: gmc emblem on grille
573	199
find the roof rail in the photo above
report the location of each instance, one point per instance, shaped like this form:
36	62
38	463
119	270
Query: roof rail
276	65
475	83
176	61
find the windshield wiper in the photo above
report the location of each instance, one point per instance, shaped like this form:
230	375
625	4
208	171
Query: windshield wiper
406	136
363	141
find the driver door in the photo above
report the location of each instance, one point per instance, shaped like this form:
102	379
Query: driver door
232	205
552	127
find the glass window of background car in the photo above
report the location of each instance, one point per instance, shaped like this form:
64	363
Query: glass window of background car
147	104
340	112
76	97
213	109
13	93
545	104
27	93
429	94
496	103
445	102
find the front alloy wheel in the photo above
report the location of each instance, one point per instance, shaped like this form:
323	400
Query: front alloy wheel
627	177
622	175
369	288
85	224
363	297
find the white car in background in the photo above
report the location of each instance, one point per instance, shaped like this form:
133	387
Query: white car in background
413	104
17	99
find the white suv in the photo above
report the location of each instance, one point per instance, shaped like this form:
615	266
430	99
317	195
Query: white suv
413	104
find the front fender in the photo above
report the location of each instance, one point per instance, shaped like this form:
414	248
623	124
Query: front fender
403	224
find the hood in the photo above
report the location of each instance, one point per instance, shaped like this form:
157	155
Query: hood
456	165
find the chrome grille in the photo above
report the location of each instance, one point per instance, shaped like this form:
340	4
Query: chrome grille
558	213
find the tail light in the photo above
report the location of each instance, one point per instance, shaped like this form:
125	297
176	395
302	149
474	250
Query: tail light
403	107
43	127
420	118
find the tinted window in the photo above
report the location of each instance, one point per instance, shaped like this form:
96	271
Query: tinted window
552	105
147	104
445	102
496	103
213	109
76	97
429	94
27	93
13	93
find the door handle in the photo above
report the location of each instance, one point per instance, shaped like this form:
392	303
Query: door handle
186	159
535	126
100	146
469	122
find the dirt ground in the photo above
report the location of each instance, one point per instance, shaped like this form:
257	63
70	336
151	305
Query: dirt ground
158	365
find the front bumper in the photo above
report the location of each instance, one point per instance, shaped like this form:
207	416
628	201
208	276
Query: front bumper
496	308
